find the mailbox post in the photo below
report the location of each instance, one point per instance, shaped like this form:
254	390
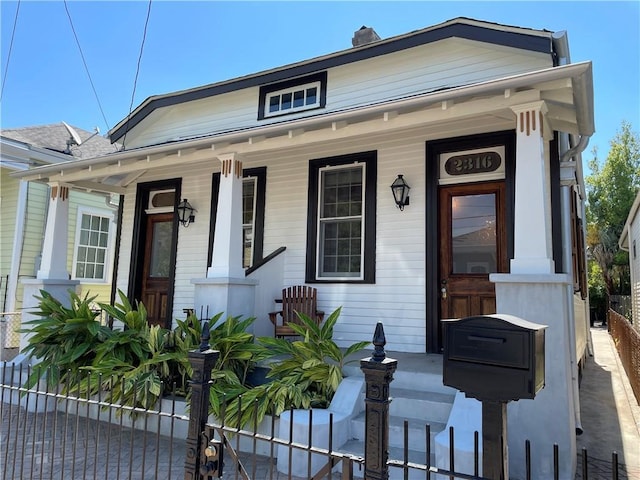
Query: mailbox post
495	359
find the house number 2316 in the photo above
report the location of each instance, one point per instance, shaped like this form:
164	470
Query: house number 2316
473	163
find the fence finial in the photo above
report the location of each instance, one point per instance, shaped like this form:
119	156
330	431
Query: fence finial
379	341
204	344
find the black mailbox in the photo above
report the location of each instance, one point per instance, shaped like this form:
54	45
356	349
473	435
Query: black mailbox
494	357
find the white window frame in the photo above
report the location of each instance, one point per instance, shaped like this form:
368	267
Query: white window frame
297	88
320	221
108	250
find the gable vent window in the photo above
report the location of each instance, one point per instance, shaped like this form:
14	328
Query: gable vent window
307	93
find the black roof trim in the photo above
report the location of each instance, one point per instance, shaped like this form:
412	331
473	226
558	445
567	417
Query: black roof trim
461	30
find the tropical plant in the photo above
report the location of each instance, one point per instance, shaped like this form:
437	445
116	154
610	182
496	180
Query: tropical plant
136	365
63	339
238	355
305	373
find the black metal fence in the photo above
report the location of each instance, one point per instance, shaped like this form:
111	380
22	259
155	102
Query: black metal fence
58	433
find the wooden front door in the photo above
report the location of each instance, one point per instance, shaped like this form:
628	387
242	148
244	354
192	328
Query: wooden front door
472	245
157	267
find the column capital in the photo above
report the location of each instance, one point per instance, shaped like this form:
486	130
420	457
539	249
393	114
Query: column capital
531	119
59	190
231	164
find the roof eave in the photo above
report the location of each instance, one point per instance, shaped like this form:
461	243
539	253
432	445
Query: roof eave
579	73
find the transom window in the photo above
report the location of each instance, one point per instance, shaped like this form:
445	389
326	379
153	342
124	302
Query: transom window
293	100
341	233
92	245
293	96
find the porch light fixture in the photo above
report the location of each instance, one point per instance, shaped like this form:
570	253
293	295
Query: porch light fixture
400	191
186	213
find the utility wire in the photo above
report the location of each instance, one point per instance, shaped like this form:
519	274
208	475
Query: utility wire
86	68
13	33
135	80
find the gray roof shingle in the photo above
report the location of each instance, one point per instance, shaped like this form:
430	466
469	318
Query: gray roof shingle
55	136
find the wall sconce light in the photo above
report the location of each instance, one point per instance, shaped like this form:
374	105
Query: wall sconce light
186	213
400	191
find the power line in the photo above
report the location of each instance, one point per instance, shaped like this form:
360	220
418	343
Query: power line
13	32
135	80
86	68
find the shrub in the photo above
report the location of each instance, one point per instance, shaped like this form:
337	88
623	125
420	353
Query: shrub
305	374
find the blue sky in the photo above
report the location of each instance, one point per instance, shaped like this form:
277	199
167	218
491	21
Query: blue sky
195	43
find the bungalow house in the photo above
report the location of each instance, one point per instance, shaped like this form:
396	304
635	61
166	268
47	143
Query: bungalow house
91	225
288	171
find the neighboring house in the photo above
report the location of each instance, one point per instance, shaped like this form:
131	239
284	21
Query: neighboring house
91	226
630	241
289	172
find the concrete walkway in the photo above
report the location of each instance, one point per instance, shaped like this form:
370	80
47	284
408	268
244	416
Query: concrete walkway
609	411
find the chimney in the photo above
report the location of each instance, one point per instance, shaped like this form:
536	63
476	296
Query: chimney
363	36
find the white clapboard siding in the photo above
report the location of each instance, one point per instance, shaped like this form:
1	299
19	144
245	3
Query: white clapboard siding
443	64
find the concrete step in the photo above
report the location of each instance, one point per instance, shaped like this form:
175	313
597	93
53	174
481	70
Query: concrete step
414	371
416	430
429	406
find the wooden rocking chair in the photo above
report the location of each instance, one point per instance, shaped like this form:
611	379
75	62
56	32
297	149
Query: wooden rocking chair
296	299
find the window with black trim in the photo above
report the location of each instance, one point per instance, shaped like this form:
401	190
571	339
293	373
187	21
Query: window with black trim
253	203
341	237
291	96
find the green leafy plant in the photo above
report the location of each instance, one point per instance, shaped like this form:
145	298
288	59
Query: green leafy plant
63	339
305	373
136	365
237	358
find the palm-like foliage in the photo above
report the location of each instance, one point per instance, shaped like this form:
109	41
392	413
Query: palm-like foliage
306	373
63	339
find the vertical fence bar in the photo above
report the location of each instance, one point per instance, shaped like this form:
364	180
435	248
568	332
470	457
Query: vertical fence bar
527	453
428	450
24	425
330	447
309	441
614	465
378	374
171	428
452	449
556	462
202	361
476	453
97	447
585	468
405	453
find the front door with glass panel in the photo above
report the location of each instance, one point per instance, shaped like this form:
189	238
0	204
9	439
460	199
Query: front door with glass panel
157	267
472	245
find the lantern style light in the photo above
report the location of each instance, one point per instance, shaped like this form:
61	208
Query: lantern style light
400	191
186	213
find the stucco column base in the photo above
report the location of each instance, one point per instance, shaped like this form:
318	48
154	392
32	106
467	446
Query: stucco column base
231	296
58	288
550	417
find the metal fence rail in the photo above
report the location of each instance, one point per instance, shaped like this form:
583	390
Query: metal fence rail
48	434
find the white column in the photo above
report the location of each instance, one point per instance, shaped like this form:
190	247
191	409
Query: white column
226	288
227	243
532	210
54	249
